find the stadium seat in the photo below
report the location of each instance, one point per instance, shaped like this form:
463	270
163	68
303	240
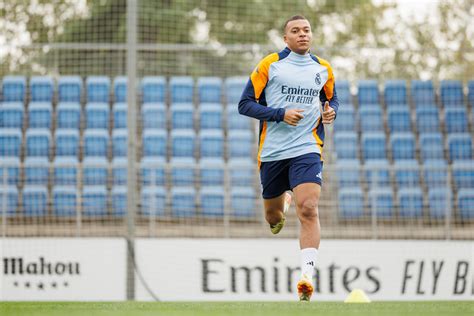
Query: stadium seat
427	119
94	200
152	171
470	94
398	119
407	173
153	201
183	171
210	116
242	202
348	172
119	201
11	115
435	173
212	144
120	89
209	89
343	91
183	143
10	142
65	171
153	89
456	120
373	146
381	202
346	119
36	171
463	174
235	120
35	200
69	89
211	172
465	202
431	146
368	92
95	171
40	115
119	115
119	171
119	142
410	201
183	201
346	145
182	116
402	145
154	116
9	171
240	144
371	119
234	86
38	142
68	115
96	142
67	143
439	202
212	201
422	92
10	193
351	203
182	89
41	89
377	173
395	93
64	201
14	88
460	146
451	93
97	115
98	88
242	172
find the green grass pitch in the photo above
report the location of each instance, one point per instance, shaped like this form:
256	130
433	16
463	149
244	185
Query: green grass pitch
240	308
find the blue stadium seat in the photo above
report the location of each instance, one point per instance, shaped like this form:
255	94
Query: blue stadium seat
346	145
242	202
9	171
435	173
346	119
10	142
120	89
210	116
439	202
465	202
11	115
97	115
460	146
470	94
96	142
153	201
235	120
212	144
410	201
64	201
183	172
65	171
183	143
154	116
368	92
242	172
373	145
95	171
431	146
407	173
41	89
234	86
381	199
98	89
69	89
38	142
36	170
348	172
152	171
395	92
351	203
371	119
209	89
94	200
119	171
35	200
451	93
422	92
10	193
463	174
119	115
343	91
456	120
182	89
183	201
240	144
68	115
119	142
212	201
182	116
67	143
40	115
377	173
402	145
153	89
211	172
14	88
398	119
119	201
427	119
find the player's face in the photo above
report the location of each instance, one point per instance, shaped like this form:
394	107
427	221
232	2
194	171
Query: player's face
298	36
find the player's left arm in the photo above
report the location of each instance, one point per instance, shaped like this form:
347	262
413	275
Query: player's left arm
328	96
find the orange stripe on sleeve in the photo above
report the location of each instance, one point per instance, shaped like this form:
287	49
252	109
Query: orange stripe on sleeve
329	86
319	141
260	143
259	76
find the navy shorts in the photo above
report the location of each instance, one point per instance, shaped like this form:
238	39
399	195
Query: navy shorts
283	175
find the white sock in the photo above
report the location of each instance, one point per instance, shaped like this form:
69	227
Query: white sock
308	261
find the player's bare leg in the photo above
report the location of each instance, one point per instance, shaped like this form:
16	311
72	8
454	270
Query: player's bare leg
275	210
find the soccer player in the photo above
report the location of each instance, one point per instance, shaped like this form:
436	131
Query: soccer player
285	92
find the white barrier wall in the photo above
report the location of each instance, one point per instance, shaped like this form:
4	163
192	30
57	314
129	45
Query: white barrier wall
264	269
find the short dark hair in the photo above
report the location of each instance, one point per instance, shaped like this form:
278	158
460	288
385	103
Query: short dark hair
293	18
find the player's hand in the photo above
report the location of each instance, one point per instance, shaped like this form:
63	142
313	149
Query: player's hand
328	114
293	116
